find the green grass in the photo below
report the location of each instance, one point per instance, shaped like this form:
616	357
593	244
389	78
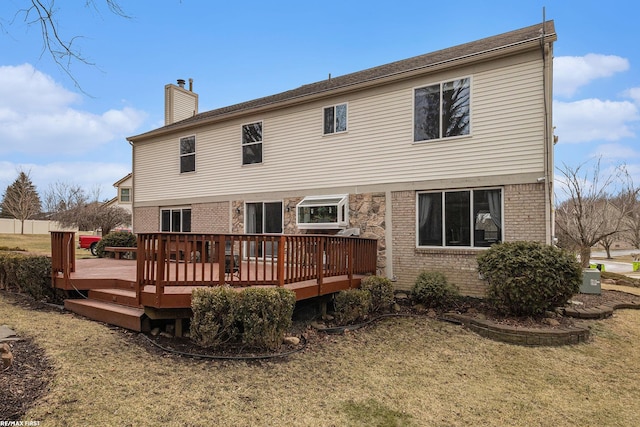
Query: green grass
397	372
37	243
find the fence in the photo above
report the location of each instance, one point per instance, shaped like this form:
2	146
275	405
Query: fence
31	226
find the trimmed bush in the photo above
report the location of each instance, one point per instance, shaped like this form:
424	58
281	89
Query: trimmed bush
431	289
265	315
381	290
213	322
30	274
529	278
122	239
351	305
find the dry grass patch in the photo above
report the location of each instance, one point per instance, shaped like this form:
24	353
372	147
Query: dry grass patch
39	244
400	371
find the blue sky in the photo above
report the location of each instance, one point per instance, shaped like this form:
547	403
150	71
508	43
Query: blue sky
241	50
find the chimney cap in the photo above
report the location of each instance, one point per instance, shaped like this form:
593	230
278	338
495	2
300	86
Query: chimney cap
181	83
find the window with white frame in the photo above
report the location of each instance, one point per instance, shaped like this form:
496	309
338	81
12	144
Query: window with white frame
176	220
252	143
125	195
442	110
335	119
187	154
467	218
323	212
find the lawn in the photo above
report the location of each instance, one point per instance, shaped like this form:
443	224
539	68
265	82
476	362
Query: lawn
37	243
397	372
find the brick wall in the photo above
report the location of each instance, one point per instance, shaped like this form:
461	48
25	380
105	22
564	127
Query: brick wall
524	219
146	220
210	217
524	212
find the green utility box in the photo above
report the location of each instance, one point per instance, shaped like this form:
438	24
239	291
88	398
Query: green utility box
590	281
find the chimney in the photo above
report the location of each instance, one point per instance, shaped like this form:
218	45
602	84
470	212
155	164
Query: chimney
179	103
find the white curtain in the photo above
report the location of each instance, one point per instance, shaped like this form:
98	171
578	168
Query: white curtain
495	207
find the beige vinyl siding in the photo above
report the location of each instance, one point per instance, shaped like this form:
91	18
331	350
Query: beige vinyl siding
506	138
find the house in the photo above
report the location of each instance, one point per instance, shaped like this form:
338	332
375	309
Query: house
124	199
437	157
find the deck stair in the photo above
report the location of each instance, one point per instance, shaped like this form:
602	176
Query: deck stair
115	306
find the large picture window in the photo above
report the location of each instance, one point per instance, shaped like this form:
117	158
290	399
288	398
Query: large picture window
335	119
176	220
252	143
467	218
442	110
187	154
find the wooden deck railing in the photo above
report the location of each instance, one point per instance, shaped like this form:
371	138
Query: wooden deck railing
63	255
176	259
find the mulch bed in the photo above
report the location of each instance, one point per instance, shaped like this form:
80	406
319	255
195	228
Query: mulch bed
28	378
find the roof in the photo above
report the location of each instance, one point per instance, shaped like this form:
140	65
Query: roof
398	68
123	179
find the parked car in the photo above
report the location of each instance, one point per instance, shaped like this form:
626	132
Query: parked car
89	242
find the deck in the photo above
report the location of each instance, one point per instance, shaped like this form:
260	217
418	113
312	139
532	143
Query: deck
169	266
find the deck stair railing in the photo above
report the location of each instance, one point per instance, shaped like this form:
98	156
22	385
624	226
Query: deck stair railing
63	256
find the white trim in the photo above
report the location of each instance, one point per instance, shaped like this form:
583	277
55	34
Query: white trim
334	119
441	83
242	144
341	203
471	206
180	155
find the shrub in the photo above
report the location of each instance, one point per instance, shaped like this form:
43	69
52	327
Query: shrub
432	290
381	290
528	278
213	322
116	238
351	305
30	274
265	315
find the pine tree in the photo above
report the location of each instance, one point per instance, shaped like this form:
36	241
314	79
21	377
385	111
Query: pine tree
21	200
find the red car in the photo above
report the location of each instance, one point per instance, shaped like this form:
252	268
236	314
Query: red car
89	242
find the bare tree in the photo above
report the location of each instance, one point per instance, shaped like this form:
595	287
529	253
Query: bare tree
631	227
21	200
72	206
63	50
586	216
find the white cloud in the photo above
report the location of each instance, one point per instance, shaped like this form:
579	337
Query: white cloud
633	93
594	119
572	72
615	151
36	117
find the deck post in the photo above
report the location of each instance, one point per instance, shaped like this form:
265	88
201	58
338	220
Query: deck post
162	265
281	260
320	262
222	252
350	261
140	262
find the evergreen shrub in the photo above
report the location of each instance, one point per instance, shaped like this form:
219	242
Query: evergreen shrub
381	290
351	305
529	278
122	239
431	289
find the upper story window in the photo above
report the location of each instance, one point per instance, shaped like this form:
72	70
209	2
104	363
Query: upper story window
335	119
252	143
187	154
177	220
442	110
125	195
467	218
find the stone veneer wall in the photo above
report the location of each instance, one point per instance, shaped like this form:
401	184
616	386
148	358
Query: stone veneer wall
524	219
210	217
146	220
366	212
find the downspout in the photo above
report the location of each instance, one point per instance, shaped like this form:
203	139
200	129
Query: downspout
548	137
